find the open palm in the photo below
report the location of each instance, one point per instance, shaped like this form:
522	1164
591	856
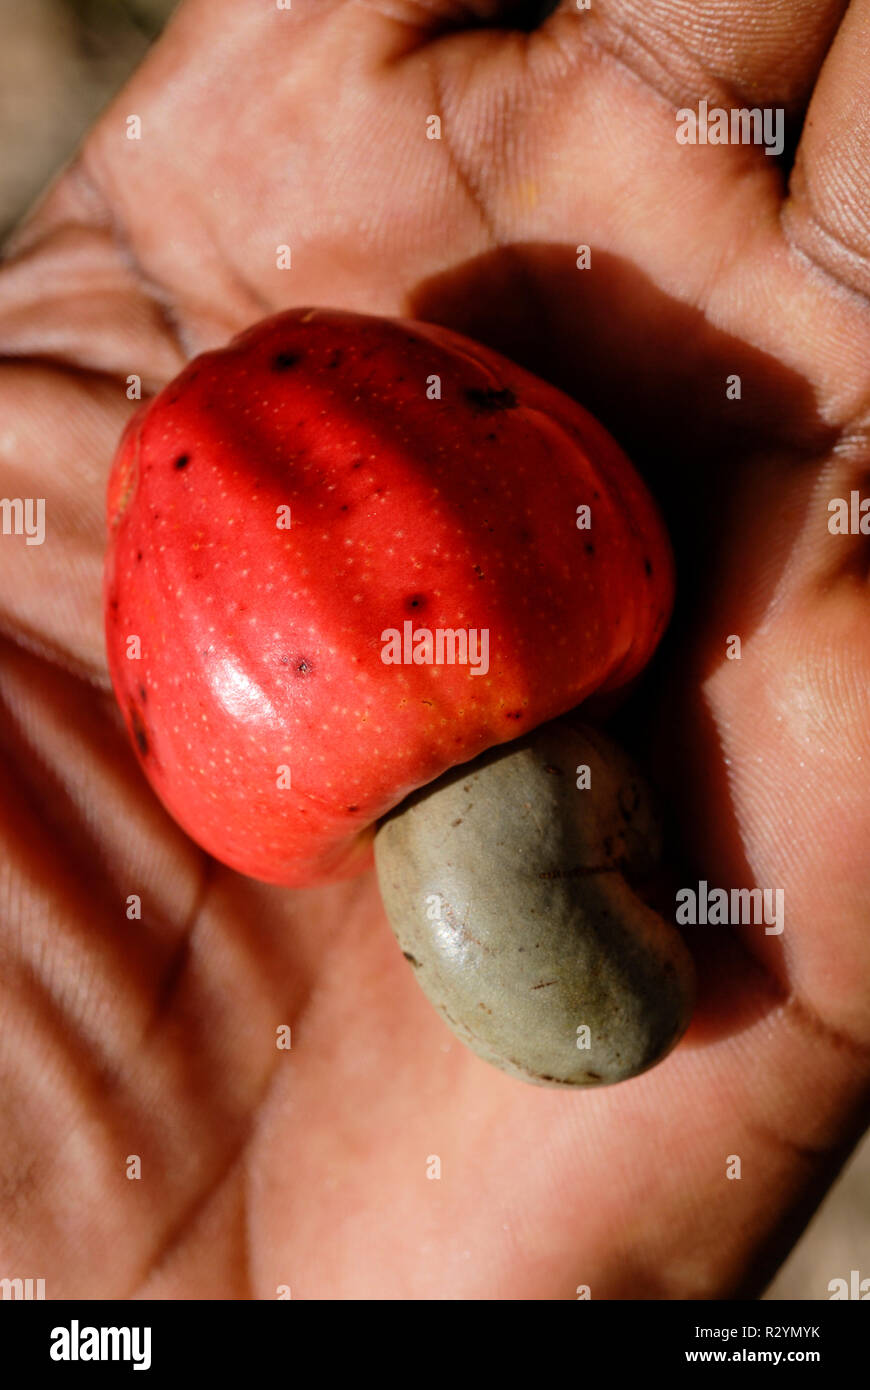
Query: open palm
156	1037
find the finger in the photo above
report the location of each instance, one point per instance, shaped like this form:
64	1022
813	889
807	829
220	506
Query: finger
397	27
729	52
827	215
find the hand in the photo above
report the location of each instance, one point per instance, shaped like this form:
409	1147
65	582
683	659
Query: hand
157	1037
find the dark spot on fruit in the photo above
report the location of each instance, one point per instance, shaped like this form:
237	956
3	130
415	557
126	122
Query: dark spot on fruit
343	507
138	555
485	399
415	601
143	694
524	535
478	571
140	733
283	361
335	359
647	567
492	435
454	823
589	548
304	667
351	809
357	463
411	959
513	714
113	604
182	461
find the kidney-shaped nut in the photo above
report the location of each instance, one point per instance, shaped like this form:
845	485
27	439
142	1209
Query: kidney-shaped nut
510	889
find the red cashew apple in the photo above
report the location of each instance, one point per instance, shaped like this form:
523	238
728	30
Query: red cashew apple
295	523
289	498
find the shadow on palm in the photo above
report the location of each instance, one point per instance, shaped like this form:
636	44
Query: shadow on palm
655	371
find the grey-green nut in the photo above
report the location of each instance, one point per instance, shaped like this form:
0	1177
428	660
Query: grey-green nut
510	890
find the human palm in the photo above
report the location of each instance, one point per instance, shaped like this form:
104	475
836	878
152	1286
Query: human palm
307	1167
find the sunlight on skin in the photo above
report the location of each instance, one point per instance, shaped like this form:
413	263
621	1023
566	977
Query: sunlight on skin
157	1037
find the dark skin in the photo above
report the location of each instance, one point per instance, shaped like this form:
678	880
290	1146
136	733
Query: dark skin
156	1037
